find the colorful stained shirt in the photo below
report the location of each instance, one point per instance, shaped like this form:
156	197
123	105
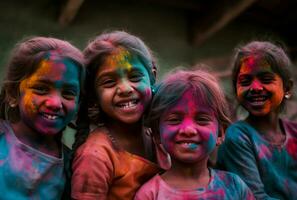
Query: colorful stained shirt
103	171
269	170
26	173
222	186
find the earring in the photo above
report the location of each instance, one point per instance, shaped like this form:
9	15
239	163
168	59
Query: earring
220	140
287	95
153	90
12	105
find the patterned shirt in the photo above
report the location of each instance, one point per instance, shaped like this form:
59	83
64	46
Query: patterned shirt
222	186
26	173
269	170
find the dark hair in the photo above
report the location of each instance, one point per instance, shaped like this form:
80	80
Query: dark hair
205	87
273	54
95	54
24	61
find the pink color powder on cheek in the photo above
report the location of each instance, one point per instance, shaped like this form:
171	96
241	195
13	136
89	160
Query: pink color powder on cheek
148	91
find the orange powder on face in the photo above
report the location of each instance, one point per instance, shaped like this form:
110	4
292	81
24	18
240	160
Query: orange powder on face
44	68
120	59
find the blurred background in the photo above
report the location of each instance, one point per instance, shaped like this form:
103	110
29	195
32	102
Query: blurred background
180	32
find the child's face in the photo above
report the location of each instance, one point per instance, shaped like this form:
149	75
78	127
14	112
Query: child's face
49	97
259	89
123	87
189	130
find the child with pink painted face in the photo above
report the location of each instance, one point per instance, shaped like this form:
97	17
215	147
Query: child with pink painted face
39	97
261	149
188	116
113	159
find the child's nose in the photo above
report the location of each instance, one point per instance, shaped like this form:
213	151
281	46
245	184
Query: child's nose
124	88
189	130
256	85
54	102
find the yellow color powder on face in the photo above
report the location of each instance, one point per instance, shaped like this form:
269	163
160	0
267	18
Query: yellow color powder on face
120	59
44	68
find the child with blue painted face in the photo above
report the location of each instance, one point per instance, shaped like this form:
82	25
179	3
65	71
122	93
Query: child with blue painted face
39	97
188	116
116	157
261	149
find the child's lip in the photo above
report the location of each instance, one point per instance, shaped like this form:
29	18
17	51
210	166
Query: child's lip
257	98
124	102
188	141
51	116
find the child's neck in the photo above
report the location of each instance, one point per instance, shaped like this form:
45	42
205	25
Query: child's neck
129	136
269	127
187	176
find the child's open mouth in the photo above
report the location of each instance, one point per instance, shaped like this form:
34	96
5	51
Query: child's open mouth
128	104
189	144
258	100
50	116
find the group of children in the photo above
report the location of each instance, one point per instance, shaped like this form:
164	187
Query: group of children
138	139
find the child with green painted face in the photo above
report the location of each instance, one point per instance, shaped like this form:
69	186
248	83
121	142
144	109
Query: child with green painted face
117	157
39	97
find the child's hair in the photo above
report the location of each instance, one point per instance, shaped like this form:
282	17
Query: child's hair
24	61
205	87
95	54
271	53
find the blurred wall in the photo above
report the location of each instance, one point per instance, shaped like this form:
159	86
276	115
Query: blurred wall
163	28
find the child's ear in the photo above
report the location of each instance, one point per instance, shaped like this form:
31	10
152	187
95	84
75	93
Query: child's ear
12	102
221	136
154	70
288	89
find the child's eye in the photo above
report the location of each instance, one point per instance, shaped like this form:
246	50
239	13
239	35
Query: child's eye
69	94
203	120
267	79
107	83
40	89
244	81
173	120
135	76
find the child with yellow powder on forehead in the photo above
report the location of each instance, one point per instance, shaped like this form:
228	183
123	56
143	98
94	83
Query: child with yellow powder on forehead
117	157
39	97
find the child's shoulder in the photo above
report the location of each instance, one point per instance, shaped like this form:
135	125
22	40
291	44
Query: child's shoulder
3	126
240	124
290	127
98	142
239	129
150	188
226	177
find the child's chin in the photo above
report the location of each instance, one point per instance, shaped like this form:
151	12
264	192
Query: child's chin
50	132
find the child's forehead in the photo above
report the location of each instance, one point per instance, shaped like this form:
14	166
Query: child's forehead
121	61
121	58
58	69
254	63
193	99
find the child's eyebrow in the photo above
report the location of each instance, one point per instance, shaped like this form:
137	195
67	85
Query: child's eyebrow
69	84
267	73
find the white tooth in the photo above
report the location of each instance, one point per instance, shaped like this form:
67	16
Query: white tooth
128	104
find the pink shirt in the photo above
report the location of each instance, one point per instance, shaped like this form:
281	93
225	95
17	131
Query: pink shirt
222	186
